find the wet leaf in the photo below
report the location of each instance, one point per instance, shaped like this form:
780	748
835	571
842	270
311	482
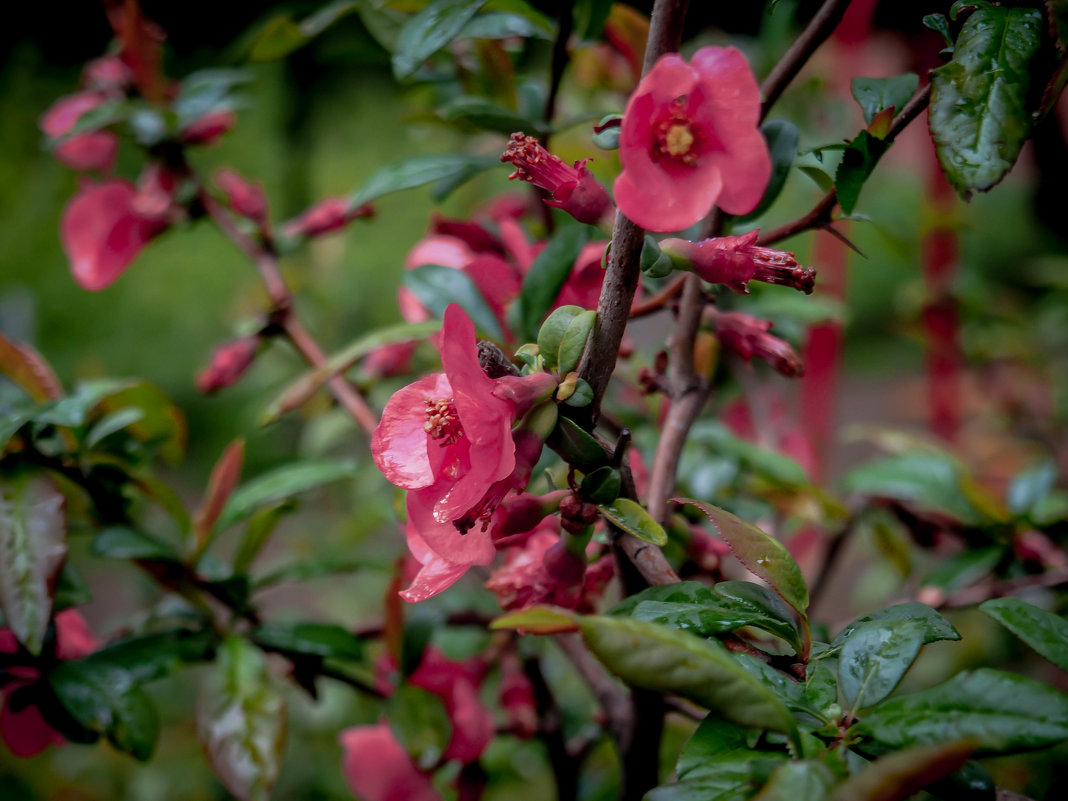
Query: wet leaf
806	780
1044	631
632	517
874	659
33	546
875	94
241	721
901	775
428	31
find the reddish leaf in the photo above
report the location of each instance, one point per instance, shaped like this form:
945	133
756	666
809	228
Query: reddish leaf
223	480
27	368
904	773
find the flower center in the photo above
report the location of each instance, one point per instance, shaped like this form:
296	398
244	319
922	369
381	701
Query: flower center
676	137
442	421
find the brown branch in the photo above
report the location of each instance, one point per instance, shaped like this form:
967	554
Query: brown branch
609	693
550	730
564	24
659	300
977	593
816	32
284	317
820	215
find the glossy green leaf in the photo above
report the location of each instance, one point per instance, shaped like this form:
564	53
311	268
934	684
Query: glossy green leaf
632	517
420	723
106	699
821	688
782	137
667	660
713	738
573	342
282	483
241	722
806	780
930	622
1030	487
940	25
726	779
761	553
875	94
964	568
436	287
603	485
874	659
576	446
261	524
506	25
428	31
981	101
120	542
147	657
418	171
485	114
301	390
1002	713
930	481
33	546
543	280
706	611
858	162
902	774
551	334
312	639
1044	631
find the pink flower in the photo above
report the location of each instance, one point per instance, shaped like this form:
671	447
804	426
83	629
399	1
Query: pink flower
24	730
456	683
748	337
92	150
542	571
107	73
331	214
208	128
737	260
690	140
583	285
447	438
102	233
573	189
378	768
156	187
228	363
244	197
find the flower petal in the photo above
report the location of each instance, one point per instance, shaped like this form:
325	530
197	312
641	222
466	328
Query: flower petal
399	445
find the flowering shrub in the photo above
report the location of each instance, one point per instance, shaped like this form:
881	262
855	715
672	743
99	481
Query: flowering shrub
610	523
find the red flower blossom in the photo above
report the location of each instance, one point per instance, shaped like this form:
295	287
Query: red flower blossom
447	438
689	140
92	150
378	768
331	214
748	337
737	260
102	233
25	731
573	189
244	197
456	683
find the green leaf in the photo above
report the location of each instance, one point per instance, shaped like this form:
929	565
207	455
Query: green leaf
964	568
106	699
981	101
858	162
901	775
667	660
929	481
428	31
933	625
71	589
768	464
418	171
712	739
807	780
537	620
576	446
280	484
544	279
632	517
161	426
420	723
261	525
312	639
821	688
485	114
436	287
875	94
1000	712
111	424
298	393
761	553
1044	631
654	262
590	17
33	546
603	485
1030	487
147	657
874	659
120	542
940	25
573	343
241	722
551	334
706	611
726	779
782	138
506	25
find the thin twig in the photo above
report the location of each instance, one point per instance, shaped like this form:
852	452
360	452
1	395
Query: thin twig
816	32
282	300
976	594
564	26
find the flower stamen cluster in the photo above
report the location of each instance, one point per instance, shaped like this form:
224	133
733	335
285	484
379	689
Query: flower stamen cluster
442	421
574	189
